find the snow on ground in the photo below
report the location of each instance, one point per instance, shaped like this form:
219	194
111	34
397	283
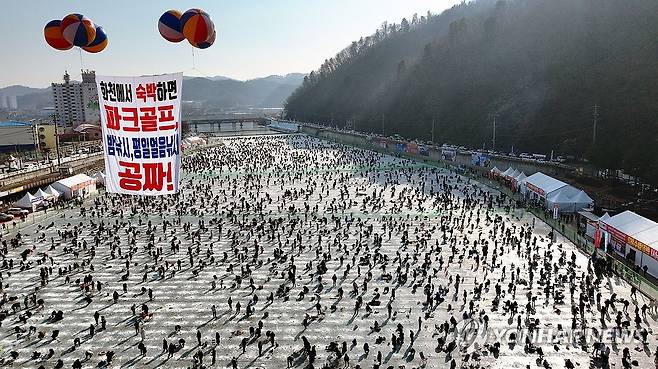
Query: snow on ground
314	173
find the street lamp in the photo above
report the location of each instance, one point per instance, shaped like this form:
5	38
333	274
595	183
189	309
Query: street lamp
55	118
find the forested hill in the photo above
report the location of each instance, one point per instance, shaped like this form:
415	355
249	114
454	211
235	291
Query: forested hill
540	66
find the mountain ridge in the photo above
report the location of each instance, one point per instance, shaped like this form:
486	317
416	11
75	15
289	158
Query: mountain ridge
538	66
215	92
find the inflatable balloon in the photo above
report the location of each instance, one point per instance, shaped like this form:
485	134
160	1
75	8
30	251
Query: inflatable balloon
206	44
99	43
53	34
78	30
170	26
197	26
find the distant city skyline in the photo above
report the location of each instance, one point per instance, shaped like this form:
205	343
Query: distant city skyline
255	38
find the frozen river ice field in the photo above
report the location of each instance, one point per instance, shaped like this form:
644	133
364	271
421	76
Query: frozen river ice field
300	180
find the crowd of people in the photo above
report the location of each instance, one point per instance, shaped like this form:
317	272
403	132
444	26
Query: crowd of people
289	251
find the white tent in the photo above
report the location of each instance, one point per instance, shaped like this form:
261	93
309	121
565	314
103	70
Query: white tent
75	186
628	223
542	185
520	177
582	200
52	192
508	172
42	194
99	177
513	174
634	237
495	170
562	201
28	201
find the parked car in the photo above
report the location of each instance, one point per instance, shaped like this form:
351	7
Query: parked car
17	212
5	217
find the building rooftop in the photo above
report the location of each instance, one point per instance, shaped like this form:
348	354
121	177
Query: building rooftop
13	123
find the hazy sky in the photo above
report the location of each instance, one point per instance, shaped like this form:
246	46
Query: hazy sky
255	37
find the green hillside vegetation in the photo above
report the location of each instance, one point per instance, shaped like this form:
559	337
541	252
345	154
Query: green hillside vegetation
540	66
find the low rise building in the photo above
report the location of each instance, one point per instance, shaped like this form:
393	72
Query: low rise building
17	136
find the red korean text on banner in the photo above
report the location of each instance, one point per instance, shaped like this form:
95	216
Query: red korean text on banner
140	119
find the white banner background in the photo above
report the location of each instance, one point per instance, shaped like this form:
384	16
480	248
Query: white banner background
141	124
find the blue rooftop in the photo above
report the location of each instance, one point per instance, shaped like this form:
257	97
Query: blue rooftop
12	123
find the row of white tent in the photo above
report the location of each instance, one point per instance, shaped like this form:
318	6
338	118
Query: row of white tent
31	201
510	174
65	186
553	192
192	142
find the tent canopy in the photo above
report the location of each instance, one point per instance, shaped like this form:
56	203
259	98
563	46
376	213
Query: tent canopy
562	201
74	180
27	202
545	183
495	170
52	192
99	175
41	193
635	226
581	200
629	223
508	171
520	177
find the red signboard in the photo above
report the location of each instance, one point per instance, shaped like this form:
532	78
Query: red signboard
616	234
643	247
597	238
535	189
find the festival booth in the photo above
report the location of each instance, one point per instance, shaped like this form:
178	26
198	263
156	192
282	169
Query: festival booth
562	200
507	173
495	172
516	182
48	197
632	236
539	186
76	186
283	126
52	193
29	202
554	194
582	201
192	142
42	194
588	223
99	177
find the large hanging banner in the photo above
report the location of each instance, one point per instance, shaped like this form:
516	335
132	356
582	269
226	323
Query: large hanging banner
141	123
